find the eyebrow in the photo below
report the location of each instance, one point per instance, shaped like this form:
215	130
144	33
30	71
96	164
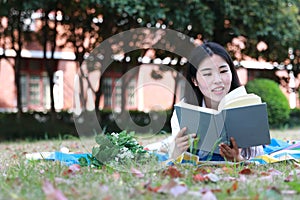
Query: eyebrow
208	69
223	66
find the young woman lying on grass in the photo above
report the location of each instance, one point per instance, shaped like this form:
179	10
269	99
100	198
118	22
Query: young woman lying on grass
210	80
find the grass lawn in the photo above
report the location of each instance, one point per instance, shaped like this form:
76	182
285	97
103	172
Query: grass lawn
23	179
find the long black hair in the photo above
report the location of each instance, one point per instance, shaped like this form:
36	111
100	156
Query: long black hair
192	94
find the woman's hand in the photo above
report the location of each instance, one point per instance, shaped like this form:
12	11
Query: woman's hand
231	154
181	143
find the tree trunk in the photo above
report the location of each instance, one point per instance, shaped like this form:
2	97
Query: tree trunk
48	64
18	65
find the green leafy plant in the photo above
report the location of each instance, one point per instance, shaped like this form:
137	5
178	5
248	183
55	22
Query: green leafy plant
115	147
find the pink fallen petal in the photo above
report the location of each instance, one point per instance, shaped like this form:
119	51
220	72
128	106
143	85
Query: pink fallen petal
212	177
274	172
52	193
167	187
137	173
104	188
178	190
209	195
242	178
266	178
73	169
288	192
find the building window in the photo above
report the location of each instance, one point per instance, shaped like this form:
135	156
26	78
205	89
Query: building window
112	91
131	100
35	92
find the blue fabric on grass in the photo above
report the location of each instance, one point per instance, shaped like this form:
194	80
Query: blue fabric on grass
213	157
275	145
69	158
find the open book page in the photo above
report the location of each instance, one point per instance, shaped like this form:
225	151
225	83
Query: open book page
240	91
249	99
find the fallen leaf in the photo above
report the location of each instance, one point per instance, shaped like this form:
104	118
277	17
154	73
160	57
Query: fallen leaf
229	178
296	165
148	185
107	197
203	170
289	178
216	190
72	169
209	195
274	172
200	178
266	178
194	193
243	178
62	180
116	176
103	188
137	173
288	192
227	170
246	171
154	189
235	186
212	177
265	174
173	172
51	192
178	190
167	187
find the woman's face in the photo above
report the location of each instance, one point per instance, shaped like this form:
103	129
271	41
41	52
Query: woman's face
213	79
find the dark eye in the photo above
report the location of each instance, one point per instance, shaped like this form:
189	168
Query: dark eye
207	74
224	71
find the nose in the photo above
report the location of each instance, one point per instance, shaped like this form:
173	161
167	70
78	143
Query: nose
217	78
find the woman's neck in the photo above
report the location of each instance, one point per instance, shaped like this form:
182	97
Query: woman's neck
210	104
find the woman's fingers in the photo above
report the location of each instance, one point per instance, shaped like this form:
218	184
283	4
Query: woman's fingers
182	140
229	153
234	144
181	143
225	148
181	132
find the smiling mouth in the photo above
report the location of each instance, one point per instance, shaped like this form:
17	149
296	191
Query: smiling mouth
219	89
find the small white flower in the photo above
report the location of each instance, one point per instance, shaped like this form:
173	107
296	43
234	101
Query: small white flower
116	135
124	149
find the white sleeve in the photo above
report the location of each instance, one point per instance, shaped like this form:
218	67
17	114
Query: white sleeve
175	129
257	151
165	143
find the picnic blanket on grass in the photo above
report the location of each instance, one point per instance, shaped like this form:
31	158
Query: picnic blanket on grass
64	158
277	151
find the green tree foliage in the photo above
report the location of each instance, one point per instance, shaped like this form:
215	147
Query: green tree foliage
88	23
276	22
277	103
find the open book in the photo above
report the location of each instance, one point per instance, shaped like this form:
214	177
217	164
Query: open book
239	115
